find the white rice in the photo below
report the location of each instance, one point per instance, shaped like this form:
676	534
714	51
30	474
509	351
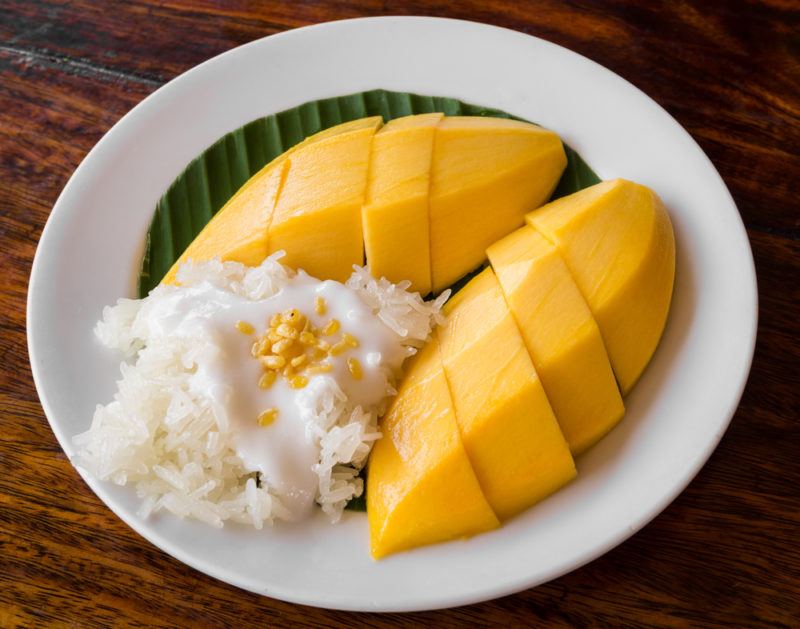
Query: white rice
175	445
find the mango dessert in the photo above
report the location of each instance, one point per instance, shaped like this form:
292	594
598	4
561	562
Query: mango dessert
421	488
560	334
616	238
532	358
508	428
395	212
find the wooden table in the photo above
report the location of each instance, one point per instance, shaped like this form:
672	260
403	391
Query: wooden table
725	553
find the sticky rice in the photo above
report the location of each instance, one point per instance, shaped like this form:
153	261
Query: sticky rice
174	443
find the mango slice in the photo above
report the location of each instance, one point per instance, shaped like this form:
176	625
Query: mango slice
395	213
508	428
239	231
317	217
485	174
421	488
561	335
616	238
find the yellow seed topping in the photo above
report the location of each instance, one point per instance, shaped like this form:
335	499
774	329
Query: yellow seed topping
298	382
287	331
332	327
267	380
323	345
308	338
338	348
281	346
273	362
350	340
291	347
291	316
244	327
355	368
268	417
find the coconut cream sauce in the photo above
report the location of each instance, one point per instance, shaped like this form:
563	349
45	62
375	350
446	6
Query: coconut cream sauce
229	375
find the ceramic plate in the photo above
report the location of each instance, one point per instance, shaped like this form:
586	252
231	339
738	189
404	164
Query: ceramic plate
91	247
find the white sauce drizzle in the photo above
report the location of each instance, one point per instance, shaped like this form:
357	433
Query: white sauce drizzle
228	373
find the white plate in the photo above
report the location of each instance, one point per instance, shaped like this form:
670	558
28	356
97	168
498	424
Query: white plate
92	243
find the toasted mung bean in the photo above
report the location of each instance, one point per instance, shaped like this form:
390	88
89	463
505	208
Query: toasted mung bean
350	340
338	348
273	362
268	417
332	327
267	379
281	346
298	382
308	338
286	331
244	327
355	368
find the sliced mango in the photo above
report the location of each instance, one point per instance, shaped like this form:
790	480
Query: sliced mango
317	218
485	174
561	336
421	488
239	231
616	238
508	428
395	213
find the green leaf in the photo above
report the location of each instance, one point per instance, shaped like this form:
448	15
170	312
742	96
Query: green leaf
215	175
577	175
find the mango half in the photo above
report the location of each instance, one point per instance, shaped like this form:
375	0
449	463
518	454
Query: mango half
424	196
530	350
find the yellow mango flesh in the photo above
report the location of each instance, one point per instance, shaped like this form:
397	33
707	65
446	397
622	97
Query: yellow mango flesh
239	231
421	488
395	213
317	218
561	335
507	426
486	173
616	238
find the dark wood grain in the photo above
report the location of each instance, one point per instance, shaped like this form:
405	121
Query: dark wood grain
725	553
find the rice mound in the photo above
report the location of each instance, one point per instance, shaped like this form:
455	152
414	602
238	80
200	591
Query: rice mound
175	445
